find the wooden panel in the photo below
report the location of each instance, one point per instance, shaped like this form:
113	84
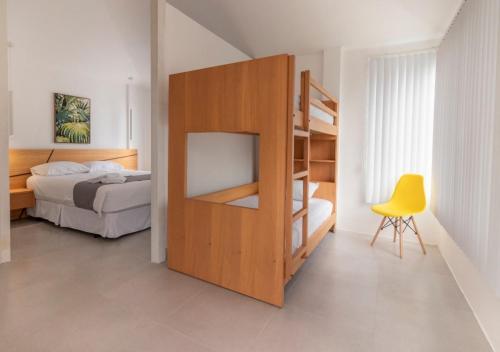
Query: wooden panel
298	120
326	190
322	149
230	194
319	126
324	172
299	214
22	160
322	90
298	148
237	248
320	105
82	155
291	167
298	258
21	198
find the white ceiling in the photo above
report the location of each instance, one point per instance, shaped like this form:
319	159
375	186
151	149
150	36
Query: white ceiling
266	27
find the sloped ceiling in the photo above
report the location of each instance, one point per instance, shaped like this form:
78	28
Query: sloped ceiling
266	27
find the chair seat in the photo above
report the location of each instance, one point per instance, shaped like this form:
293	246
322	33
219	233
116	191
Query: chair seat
393	210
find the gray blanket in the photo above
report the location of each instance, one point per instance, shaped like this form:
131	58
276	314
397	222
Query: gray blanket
84	192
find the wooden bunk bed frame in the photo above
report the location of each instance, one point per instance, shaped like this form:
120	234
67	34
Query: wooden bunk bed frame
243	249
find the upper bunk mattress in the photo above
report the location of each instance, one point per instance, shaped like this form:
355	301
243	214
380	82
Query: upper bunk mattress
315	112
321	115
108	199
319	211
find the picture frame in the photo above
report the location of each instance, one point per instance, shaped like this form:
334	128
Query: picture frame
72	115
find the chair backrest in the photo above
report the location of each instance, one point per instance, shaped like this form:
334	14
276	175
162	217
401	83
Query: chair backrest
409	193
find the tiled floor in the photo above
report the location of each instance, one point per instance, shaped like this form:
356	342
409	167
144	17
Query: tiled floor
67	291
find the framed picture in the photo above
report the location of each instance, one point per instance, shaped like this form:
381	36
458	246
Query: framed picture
72	119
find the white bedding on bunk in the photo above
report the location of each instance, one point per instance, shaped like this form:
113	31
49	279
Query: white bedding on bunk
109	198
315	112
319	211
320	114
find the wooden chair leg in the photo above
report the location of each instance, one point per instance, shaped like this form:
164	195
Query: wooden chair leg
395	229
400	222
418	235
378	231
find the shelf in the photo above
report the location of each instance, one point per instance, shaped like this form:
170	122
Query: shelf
300	174
323	161
317	161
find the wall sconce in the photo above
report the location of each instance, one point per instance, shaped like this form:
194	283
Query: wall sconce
10	113
10	102
129	114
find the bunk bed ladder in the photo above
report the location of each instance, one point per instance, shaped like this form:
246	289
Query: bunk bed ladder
300	254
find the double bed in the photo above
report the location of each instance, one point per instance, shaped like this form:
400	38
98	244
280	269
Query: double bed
69	190
118	209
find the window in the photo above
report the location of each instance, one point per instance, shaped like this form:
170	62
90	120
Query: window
399	121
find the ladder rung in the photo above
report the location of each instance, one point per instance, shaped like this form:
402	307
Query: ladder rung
301	133
299	214
300	174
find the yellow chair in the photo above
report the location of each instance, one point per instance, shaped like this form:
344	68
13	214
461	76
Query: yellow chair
407	199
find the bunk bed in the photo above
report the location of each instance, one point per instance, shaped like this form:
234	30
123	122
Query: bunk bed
253	238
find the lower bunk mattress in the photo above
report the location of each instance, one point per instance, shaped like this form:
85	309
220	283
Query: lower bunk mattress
319	211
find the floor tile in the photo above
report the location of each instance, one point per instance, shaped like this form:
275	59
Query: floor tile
295	330
222	320
68	291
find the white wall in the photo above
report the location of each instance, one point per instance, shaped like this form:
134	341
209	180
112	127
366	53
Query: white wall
217	161
466	194
312	62
184	45
84	48
190	46
4	140
353	213
477	291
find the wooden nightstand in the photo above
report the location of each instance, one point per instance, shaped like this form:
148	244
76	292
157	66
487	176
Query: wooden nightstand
20	199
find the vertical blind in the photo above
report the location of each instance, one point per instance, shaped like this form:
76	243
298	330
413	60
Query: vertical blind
399	121
464	140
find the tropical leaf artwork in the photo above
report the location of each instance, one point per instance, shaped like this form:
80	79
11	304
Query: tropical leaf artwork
72	119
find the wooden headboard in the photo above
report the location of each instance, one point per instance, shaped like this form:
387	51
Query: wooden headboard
21	160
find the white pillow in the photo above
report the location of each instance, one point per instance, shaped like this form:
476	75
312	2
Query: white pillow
58	168
103	166
298	187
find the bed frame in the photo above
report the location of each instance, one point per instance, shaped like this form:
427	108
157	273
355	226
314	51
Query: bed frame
243	249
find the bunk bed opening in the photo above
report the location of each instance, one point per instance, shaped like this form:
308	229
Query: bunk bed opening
223	168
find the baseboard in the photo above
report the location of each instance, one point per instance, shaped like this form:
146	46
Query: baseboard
481	298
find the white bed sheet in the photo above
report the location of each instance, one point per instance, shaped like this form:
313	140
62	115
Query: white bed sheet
110	225
319	211
321	115
109	198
